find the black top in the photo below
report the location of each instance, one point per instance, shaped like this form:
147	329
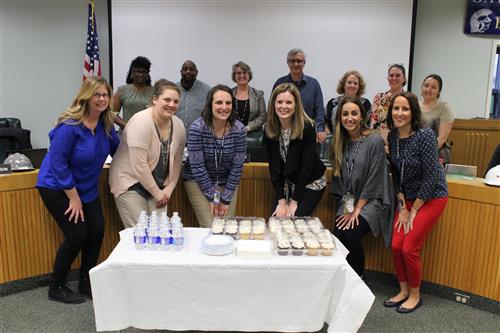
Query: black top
243	110
302	166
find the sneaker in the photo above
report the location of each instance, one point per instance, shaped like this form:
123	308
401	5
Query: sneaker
84	287
65	295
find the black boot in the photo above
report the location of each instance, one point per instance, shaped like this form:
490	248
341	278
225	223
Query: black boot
59	292
84	287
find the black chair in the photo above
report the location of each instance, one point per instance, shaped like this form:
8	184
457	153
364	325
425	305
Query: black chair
255	147
13	136
10	123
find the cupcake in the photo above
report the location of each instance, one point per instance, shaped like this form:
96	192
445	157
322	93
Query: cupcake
258	231
231	230
327	248
245	232
232	222
302	228
283	246
312	247
217	229
297	247
300	222
245	223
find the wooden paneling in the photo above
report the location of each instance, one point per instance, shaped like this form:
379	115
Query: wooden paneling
473	142
461	251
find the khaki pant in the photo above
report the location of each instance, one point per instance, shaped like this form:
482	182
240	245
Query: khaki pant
130	204
201	205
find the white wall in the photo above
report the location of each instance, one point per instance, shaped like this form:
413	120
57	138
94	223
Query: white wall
42	47
462	61
336	36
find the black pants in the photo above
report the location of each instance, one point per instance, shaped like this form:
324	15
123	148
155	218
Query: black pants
306	206
85	235
351	239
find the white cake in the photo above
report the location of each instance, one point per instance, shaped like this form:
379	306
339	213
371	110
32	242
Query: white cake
254	249
217	245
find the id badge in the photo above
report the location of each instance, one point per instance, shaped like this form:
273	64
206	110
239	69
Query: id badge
348	204
217	197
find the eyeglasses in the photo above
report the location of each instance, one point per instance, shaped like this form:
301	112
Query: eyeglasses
296	61
105	95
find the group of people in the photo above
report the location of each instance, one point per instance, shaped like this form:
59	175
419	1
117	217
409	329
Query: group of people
395	135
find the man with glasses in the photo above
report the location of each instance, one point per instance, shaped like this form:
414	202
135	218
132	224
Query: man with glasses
193	94
310	90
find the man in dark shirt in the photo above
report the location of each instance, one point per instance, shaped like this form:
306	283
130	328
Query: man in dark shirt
310	90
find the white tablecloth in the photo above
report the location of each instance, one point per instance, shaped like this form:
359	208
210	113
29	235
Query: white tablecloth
189	290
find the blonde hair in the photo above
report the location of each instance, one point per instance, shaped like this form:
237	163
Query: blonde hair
339	143
299	117
79	111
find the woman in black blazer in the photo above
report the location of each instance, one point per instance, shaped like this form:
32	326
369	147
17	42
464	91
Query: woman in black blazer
297	173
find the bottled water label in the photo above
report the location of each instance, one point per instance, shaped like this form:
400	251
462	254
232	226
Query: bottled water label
139	239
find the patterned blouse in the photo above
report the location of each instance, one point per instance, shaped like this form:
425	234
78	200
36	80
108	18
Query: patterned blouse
378	118
289	187
417	172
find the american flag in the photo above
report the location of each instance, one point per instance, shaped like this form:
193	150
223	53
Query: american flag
91	64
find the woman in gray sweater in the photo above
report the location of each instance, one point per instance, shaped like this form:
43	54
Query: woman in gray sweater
361	186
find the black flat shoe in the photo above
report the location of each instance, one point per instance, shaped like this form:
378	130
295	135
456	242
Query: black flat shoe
84	287
392	304
65	295
401	309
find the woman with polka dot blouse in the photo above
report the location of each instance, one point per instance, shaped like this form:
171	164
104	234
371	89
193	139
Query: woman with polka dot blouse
422	194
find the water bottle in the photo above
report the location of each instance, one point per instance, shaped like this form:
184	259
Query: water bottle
142	220
178	238
164	220
153	238
153	220
165	240
139	238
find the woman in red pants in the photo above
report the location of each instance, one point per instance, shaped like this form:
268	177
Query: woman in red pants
422	194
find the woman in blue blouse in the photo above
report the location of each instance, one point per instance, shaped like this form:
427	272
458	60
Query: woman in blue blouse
68	180
422	194
217	146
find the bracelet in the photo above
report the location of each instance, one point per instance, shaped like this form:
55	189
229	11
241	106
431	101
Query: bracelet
416	209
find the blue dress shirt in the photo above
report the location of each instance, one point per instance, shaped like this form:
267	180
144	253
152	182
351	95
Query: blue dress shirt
312	98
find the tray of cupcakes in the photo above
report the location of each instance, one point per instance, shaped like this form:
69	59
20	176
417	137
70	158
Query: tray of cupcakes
239	227
299	236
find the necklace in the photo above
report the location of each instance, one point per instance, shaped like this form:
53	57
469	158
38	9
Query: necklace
242	114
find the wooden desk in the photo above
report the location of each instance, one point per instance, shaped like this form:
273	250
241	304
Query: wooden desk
462	251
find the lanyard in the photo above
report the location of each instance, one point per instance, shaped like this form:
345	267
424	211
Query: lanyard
218	160
350	166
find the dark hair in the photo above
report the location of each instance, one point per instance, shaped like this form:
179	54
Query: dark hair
207	113
401	68
416	113
139	62
437	78
341	137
